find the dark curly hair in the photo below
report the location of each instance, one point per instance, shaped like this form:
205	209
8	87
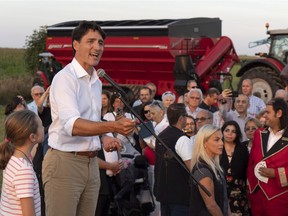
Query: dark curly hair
280	104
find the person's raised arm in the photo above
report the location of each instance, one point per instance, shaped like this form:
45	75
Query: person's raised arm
41	100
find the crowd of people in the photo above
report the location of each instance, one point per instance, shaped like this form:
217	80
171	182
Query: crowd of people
207	154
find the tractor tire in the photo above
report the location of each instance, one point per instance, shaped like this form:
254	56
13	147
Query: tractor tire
265	82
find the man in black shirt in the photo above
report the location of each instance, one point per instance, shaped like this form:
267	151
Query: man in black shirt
211	98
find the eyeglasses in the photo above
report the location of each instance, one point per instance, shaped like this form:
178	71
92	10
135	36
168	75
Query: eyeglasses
38	94
194	87
195	98
201	119
250	129
146	111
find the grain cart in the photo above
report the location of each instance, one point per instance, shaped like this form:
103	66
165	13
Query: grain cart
166	52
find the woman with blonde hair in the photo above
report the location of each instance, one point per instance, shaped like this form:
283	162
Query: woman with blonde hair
207	170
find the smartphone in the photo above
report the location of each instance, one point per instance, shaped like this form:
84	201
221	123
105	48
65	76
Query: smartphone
234	94
119	111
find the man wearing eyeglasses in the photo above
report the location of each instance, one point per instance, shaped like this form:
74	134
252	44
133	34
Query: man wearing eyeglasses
267	171
195	97
203	117
36	92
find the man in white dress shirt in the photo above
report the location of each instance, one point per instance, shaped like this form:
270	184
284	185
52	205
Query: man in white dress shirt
70	168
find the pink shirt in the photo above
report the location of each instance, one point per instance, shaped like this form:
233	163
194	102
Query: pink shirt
19	181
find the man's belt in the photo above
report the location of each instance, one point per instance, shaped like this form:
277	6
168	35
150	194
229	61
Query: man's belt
89	154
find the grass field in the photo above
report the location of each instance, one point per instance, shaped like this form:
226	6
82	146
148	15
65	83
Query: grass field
12	63
1	134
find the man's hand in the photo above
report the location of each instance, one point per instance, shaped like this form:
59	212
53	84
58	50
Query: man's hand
125	126
111	144
226	93
267	172
116	167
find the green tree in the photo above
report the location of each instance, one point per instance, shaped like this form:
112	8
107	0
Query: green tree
34	45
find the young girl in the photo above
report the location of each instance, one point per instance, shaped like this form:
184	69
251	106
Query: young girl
20	189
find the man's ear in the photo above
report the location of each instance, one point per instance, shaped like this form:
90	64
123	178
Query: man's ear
279	113
75	44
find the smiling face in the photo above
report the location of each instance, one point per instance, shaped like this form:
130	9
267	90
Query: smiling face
89	49
146	111
214	144
272	117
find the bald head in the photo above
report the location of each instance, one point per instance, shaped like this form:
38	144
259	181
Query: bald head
247	87
281	93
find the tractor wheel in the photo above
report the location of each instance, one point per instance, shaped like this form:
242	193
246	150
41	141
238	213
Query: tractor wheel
265	82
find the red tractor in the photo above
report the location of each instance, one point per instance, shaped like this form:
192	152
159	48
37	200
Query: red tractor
266	71
167	52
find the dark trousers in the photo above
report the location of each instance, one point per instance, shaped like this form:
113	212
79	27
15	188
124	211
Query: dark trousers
174	210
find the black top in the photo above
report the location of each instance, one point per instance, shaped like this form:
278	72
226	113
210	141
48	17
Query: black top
197	204
239	162
171	179
46	118
211	108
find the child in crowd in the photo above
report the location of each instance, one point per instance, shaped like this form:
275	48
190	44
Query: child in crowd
20	189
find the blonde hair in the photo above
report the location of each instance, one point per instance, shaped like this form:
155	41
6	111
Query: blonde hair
199	152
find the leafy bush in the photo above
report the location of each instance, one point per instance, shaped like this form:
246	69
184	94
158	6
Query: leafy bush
34	45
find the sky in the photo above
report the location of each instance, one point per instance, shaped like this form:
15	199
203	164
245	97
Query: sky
242	20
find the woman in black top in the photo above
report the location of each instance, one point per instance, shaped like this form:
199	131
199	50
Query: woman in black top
234	161
207	170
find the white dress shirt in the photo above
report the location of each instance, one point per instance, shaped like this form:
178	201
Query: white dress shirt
273	138
74	94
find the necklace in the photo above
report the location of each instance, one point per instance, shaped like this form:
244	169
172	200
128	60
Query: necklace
24	155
